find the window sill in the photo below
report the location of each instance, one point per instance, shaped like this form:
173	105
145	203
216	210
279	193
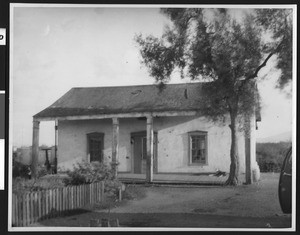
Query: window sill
198	164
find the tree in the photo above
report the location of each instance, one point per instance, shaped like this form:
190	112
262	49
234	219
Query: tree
279	24
212	46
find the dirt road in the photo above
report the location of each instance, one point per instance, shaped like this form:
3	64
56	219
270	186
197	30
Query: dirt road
247	206
257	200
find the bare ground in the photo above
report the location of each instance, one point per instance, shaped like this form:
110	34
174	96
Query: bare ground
246	206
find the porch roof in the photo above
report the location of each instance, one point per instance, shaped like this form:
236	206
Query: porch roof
125	99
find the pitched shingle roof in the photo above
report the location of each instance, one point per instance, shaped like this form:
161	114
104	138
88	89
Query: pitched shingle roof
125	99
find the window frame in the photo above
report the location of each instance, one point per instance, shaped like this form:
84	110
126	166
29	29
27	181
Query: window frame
99	135
190	136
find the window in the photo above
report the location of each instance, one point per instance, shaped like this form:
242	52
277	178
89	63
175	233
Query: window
198	147
95	146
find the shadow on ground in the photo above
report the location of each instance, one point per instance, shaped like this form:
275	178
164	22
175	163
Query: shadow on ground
174	220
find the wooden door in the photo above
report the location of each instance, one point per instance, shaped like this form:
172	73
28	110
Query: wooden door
139	141
137	154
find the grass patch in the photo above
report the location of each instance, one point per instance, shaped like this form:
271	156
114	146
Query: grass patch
132	192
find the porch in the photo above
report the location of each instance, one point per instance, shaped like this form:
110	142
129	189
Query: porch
173	178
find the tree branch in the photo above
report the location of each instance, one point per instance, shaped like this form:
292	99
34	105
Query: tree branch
254	75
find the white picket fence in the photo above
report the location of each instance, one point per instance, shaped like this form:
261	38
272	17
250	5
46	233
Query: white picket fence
31	207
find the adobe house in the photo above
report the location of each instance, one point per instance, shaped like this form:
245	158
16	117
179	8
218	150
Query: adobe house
144	129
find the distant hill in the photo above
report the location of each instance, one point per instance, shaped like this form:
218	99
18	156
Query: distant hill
283	137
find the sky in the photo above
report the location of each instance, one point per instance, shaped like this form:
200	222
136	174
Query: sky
56	48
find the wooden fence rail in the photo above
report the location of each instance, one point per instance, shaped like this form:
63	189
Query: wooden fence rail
31	207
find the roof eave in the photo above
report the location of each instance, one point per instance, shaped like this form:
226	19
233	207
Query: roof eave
120	115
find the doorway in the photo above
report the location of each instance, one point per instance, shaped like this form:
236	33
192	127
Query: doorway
139	150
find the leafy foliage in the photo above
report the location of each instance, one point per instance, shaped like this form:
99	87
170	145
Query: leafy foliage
270	156
216	49
20	170
86	173
279	24
22	185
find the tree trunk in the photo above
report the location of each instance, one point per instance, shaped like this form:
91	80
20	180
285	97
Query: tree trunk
233	178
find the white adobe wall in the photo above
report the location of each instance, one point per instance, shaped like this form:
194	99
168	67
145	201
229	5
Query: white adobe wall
172	133
72	140
173	145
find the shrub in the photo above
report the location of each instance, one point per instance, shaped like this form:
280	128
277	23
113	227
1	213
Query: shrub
86	173
270	156
21	170
41	171
22	185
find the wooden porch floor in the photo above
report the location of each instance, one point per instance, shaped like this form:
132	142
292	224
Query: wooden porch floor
170	178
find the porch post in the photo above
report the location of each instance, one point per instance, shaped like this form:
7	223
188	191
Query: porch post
248	160
56	144
115	146
248	163
35	147
150	138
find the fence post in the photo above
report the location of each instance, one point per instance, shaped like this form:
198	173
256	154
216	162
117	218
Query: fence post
93	194
97	191
69	197
31	211
13	219
44	204
85	194
60	200
54	201
14	210
77	196
34	208
24	210
102	191
82	194
39	195
27	209
90	191
64	199
47	204
72	198
57	201
18	211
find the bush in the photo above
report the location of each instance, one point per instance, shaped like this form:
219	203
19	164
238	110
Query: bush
21	185
270	156
41	171
21	170
86	173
